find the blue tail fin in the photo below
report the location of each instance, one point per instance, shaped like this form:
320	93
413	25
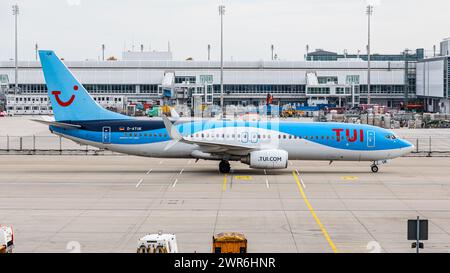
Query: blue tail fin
70	100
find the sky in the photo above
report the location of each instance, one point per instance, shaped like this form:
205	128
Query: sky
76	29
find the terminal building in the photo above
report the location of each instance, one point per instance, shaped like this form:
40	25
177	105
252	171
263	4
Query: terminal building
154	78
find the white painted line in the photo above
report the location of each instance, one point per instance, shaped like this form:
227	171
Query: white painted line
267	180
149	171
181	172
301	180
174	183
139	183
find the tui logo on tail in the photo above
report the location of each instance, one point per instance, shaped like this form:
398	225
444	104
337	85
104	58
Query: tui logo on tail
64	103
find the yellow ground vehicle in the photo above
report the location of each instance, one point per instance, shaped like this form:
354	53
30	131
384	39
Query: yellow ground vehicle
230	242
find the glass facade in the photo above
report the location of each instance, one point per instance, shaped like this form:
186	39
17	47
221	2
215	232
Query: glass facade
318	90
181	79
383	89
331	56
149	88
260	89
325	80
111	88
447	78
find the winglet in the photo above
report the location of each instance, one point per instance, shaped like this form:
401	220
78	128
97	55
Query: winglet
172	130
174	114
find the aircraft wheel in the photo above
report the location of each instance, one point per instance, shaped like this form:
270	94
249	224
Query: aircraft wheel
374	168
224	166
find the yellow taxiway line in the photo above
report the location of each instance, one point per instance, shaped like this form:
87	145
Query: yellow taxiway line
324	231
224	187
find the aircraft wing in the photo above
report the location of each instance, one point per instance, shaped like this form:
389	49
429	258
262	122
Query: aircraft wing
206	146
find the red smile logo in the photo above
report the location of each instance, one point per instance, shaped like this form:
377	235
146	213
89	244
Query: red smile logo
64	103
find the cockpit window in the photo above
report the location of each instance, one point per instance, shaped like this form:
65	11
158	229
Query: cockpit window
391	136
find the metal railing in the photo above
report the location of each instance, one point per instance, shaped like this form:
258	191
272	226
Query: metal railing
42	144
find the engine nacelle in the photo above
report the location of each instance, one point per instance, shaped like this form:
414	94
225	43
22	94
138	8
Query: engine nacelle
267	159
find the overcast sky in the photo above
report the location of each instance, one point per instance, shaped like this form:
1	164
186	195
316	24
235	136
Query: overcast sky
77	28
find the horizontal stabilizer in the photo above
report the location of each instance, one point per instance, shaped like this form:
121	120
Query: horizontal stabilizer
58	124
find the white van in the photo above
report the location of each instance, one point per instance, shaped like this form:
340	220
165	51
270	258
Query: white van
158	243
6	239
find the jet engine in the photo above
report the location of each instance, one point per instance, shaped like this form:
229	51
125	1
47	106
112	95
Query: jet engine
267	159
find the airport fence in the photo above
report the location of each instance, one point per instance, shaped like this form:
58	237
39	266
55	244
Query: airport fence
44	144
429	146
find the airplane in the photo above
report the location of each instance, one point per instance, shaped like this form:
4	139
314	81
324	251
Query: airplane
268	144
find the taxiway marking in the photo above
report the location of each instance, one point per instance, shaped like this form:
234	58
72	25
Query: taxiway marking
224	186
174	183
243	177
301	180
349	178
142	179
308	204
139	183
267	179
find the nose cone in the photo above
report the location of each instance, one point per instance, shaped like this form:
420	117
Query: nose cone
407	147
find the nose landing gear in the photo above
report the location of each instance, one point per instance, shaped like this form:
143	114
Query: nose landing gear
224	166
374	168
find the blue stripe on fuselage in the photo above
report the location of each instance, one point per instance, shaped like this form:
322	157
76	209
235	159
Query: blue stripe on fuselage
135	131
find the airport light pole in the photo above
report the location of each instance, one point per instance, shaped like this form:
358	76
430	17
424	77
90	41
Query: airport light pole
221	13
209	52
406	94
272	47
16	75
369	13
36	49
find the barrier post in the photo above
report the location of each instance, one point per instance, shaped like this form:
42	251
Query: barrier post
60	145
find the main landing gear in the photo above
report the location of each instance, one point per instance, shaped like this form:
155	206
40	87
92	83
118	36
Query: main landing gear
224	166
374	168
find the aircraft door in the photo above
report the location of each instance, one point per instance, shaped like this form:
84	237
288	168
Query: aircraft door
254	137
106	135
370	139
244	137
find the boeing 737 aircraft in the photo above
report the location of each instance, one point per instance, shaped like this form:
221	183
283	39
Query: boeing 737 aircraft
260	144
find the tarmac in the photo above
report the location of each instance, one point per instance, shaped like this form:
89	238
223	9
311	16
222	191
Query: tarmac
106	203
